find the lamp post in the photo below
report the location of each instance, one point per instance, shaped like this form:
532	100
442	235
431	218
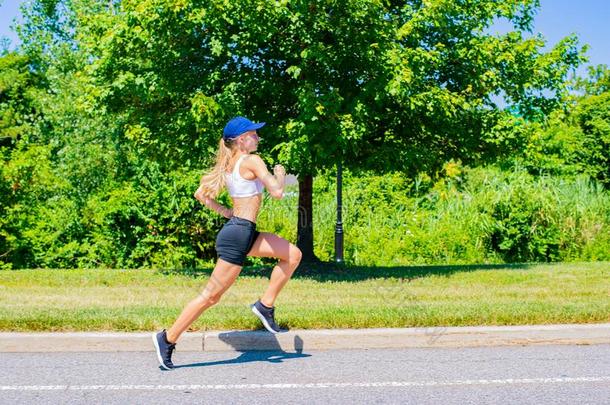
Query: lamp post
339	225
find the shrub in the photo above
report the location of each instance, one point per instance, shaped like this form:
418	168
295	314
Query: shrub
470	215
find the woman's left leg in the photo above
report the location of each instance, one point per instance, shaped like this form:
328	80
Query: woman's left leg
271	245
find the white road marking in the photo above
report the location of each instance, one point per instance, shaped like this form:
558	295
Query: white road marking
293	386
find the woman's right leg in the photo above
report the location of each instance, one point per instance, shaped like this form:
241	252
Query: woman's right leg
222	278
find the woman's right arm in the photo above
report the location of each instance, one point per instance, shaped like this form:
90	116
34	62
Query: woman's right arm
274	183
213	204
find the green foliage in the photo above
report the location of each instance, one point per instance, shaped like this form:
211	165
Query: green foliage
592	115
572	141
415	82
522	218
154	223
114	108
468	215
18	111
27	181
597	82
172	230
47	33
481	215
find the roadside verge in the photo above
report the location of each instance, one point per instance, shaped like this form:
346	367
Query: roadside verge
314	339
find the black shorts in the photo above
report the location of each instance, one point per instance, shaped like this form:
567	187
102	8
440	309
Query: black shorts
235	240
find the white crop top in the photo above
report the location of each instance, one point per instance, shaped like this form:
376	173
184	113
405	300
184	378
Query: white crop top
240	187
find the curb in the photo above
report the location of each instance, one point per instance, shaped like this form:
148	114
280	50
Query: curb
320	339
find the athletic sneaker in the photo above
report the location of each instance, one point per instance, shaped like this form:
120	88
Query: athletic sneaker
164	349
265	314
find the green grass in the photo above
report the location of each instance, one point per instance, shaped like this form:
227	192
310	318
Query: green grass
318	297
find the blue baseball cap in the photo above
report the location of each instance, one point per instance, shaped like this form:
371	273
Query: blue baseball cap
238	125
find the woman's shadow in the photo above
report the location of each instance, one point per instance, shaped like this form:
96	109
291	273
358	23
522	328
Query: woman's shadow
254	346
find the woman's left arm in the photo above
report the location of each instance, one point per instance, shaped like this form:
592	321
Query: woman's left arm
213	204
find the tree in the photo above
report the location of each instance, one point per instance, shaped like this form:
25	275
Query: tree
592	117
381	85
18	88
597	82
19	115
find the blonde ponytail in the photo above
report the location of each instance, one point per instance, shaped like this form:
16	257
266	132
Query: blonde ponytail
214	181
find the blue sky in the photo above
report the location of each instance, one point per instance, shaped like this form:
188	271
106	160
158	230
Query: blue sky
590	19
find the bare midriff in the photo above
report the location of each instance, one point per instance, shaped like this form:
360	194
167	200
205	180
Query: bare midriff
247	207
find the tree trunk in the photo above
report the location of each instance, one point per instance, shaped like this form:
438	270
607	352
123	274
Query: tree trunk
305	220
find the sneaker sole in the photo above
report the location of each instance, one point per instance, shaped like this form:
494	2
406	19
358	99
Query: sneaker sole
263	320
154	338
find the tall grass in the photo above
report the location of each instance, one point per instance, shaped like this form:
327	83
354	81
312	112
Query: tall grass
477	215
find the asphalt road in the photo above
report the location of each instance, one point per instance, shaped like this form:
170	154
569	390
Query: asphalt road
489	375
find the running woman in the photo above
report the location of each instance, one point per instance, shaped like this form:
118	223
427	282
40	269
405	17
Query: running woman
244	174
